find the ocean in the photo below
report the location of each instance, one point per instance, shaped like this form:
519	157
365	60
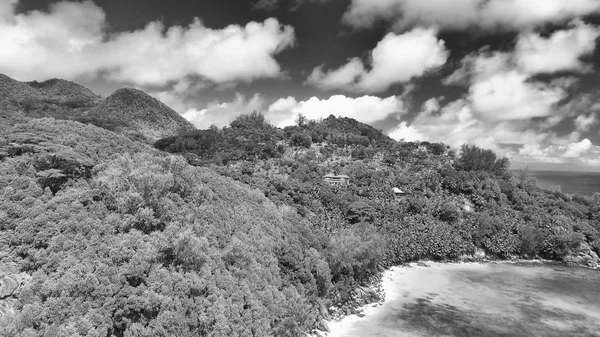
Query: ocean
582	183
481	300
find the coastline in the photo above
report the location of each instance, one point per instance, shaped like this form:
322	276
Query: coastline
389	291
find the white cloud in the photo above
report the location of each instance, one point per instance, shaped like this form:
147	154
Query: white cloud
576	153
395	59
464	14
575	150
6	9
367	109
509	95
406	132
342	78
223	113
432	105
70	40
585	123
559	52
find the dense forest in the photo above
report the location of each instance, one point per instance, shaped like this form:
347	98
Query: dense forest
233	232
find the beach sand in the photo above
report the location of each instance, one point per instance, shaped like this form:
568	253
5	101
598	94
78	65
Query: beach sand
473	299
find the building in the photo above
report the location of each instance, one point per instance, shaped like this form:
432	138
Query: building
337	180
398	193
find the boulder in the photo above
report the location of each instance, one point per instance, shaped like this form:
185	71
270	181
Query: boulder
583	256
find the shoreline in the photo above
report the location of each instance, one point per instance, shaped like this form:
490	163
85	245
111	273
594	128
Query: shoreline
387	291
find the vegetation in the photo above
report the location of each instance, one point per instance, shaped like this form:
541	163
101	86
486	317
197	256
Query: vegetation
233	232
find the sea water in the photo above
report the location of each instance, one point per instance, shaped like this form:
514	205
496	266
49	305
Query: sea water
482	300
582	183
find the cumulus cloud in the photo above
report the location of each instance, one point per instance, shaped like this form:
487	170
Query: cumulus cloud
367	109
465	14
70	40
561	51
510	96
7	7
506	110
223	113
344	77
584	123
395	59
500	90
582	152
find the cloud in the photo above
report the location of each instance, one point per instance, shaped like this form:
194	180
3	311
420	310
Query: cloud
584	123
561	51
500	90
271	5
465	14
582	153
344	77
367	109
395	59
510	96
222	113
70	40
7	7
407	133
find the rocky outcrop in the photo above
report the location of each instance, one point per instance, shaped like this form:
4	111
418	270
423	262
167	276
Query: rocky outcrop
583	256
10	286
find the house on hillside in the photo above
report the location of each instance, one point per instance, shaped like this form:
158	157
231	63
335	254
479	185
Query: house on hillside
398	193
337	180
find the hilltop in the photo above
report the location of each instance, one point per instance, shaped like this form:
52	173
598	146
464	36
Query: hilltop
134	111
128	111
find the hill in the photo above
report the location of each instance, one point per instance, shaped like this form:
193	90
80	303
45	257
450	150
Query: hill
235	232
135	112
455	203
64	91
101	234
129	111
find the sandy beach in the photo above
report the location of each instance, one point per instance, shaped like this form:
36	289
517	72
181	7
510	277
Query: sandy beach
473	299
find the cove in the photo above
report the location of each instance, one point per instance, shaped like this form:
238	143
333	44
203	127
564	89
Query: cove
496	299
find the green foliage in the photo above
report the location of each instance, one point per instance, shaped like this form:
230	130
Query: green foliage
473	158
356	253
121	239
250	137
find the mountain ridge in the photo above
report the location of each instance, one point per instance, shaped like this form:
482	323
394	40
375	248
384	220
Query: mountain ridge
127	110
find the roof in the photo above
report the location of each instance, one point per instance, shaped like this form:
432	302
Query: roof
397	190
341	176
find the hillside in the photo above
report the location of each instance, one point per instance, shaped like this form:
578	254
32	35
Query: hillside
95	239
135	112
235	232
127	111
64	91
455	203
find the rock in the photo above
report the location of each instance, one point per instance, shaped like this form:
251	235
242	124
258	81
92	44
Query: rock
361	315
582	256
479	253
10	286
365	295
322	325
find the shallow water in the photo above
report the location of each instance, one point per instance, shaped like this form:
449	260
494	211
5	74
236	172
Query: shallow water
482	300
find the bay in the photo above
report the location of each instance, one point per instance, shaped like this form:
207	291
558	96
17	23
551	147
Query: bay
502	299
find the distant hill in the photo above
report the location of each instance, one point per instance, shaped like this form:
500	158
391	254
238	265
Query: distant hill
64	91
54	91
129	111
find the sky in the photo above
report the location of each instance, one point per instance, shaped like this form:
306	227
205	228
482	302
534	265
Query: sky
520	77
